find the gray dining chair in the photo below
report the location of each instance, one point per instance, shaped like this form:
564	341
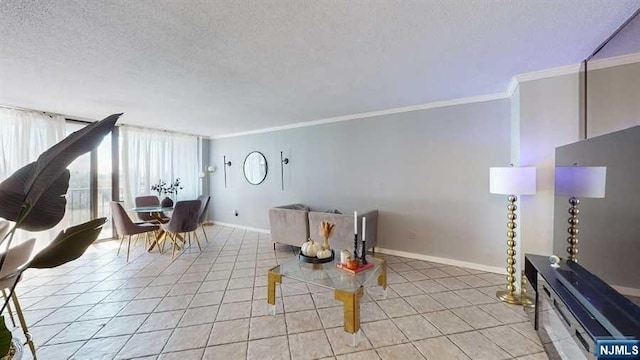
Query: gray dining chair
183	221
149	200
126	227
204	203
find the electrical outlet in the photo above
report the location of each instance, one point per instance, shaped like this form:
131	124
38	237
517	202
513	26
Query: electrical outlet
235	212
412	235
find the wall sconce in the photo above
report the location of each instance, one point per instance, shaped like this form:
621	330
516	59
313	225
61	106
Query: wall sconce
283	161
226	163
578	181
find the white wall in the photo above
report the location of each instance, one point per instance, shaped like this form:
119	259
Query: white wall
425	171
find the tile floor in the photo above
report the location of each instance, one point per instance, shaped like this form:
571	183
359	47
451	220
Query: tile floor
212	305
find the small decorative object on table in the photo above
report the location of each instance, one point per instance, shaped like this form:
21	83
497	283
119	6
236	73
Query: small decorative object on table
354	266
311	252
363	254
162	188
355	234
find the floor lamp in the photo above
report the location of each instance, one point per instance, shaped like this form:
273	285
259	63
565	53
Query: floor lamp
511	181
576	182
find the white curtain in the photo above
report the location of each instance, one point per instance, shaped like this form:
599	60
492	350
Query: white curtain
147	156
24	135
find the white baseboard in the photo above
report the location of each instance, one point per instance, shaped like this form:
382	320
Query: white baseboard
470	265
249	228
627	290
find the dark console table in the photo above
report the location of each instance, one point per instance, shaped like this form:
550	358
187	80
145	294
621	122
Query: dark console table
574	308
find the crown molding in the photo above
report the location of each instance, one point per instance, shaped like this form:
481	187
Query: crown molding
508	93
548	73
613	61
432	105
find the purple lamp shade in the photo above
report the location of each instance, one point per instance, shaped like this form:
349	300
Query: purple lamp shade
581	181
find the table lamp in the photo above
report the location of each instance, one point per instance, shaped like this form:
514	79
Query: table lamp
575	182
512	181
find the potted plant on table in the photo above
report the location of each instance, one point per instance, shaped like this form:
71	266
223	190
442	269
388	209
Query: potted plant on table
162	188
33	199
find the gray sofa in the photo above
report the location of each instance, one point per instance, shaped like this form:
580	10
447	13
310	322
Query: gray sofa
294	224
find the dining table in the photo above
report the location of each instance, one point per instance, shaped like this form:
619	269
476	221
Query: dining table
156	212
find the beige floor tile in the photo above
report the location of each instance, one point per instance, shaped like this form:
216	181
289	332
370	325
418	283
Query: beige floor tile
161	321
240	283
303	321
267	326
507	314
424	303
232	311
226	352
144	344
434	273
361	355
104	348
81	330
42	334
61	315
194	354
475	297
53	302
473	281
298	303
512	341
369	311
403	351
89	298
151	292
178	302
190	337
207	299
383	333
536	356
331	317
229	331
406	289
59	351
215	285
526	329
184	289
440	348
274	348
478	347
416	327
237	295
450	300
341	341
309	345
261	307
103	310
136	307
122	325
200	315
447	322
475	317
396	307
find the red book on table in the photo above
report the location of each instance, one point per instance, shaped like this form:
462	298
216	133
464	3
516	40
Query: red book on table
357	270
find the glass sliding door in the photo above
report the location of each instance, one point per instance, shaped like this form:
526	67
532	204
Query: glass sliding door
79	193
91	187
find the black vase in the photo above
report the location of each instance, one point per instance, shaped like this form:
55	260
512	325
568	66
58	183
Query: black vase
166	202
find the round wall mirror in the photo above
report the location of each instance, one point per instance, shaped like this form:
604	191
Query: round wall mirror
255	168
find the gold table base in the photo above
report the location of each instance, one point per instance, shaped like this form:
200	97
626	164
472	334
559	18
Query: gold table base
350	300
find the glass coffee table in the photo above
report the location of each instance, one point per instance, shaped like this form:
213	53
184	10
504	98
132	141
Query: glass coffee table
347	287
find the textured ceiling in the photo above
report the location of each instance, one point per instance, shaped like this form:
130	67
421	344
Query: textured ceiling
218	67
